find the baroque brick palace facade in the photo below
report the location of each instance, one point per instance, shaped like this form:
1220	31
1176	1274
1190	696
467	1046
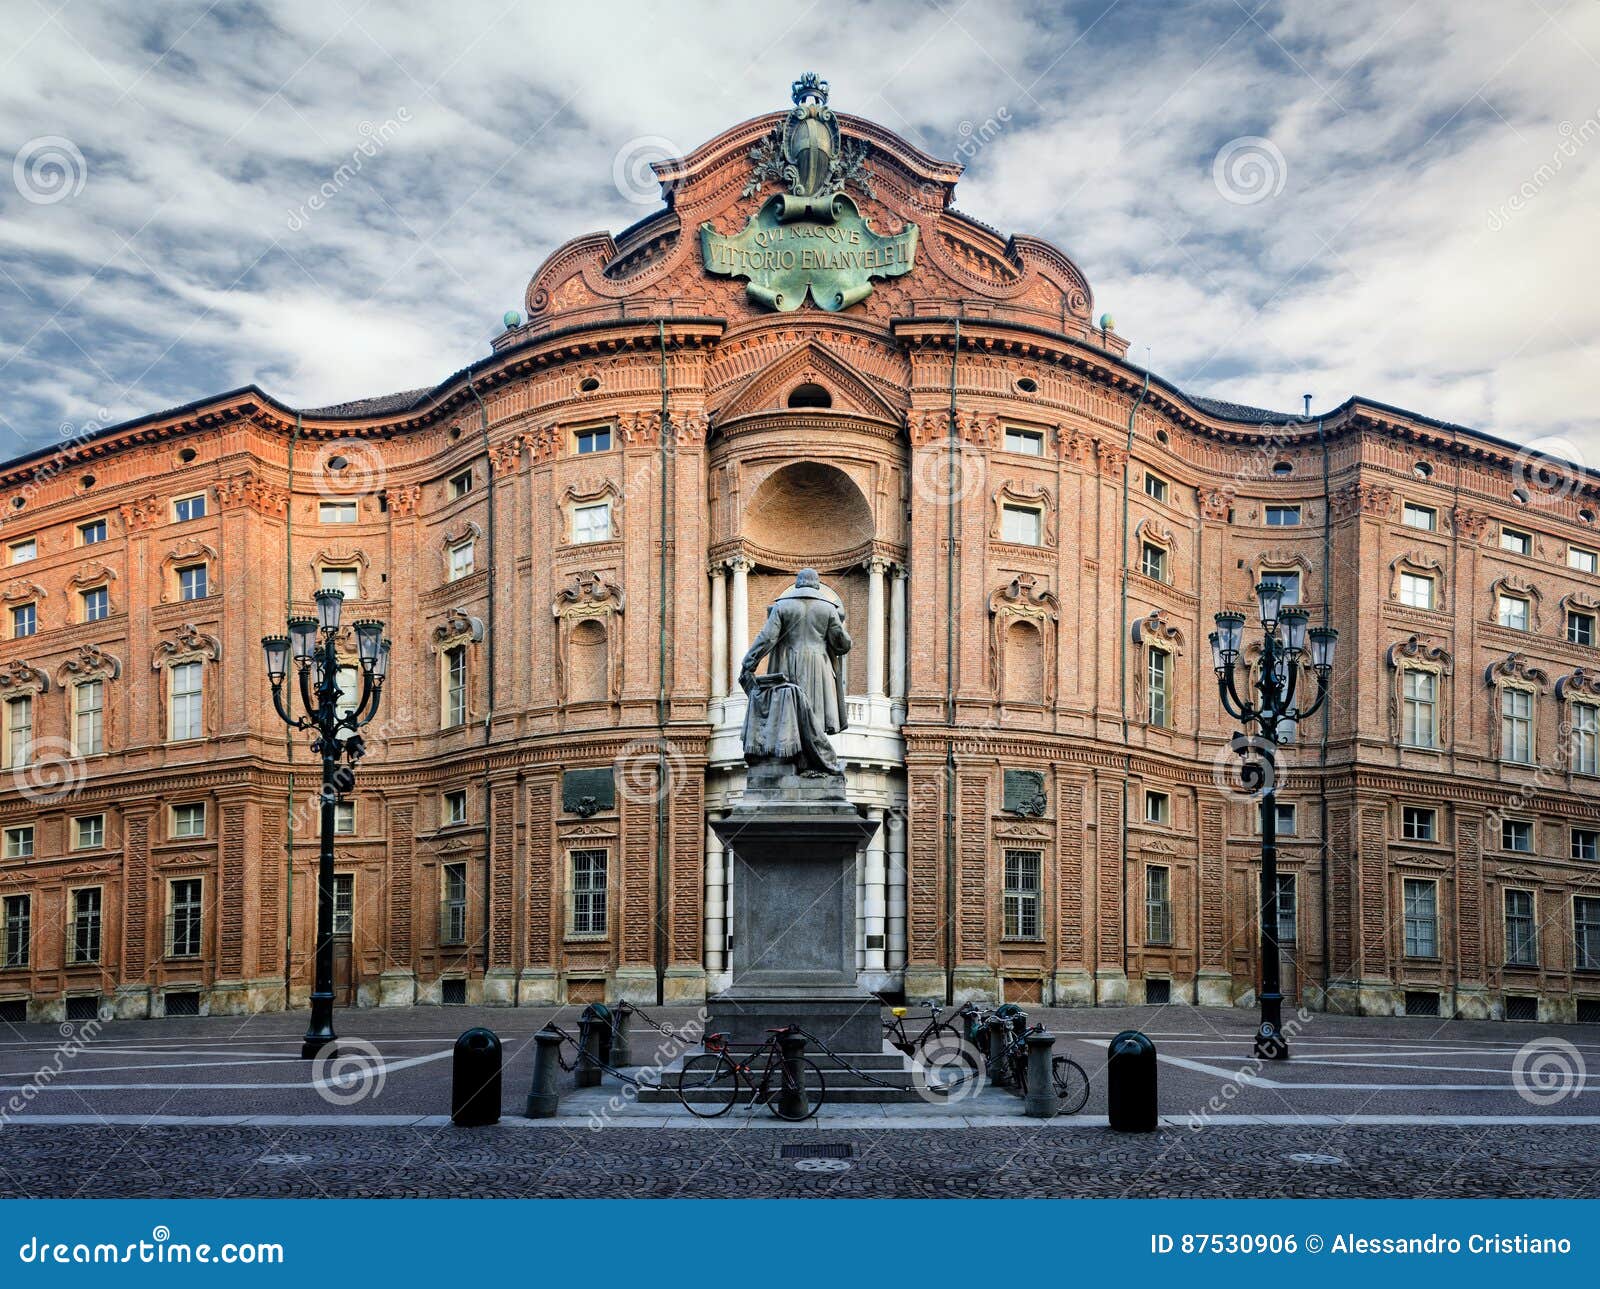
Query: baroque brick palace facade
574	540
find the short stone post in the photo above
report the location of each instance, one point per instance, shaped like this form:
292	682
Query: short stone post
621	1047
999	1034
1041	1100
792	1100
543	1097
590	1032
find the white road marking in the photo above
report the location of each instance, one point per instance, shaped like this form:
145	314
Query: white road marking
388	1067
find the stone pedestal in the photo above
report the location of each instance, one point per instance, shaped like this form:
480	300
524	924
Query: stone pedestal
794	840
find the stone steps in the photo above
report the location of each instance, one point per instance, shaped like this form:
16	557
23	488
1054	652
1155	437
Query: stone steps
844	1086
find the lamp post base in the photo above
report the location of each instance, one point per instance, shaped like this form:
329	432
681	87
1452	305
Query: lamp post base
326	1045
319	1038
1271	1045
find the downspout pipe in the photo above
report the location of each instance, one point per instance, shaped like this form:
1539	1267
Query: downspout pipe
1122	663
953	446
663	709
1327	714
488	711
288	733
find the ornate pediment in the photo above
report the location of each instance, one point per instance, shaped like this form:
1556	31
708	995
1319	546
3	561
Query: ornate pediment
188	643
89	662
458	627
21	591
1155	628
19	677
1412	649
1515	666
1023	594
587	593
1581	683
812	363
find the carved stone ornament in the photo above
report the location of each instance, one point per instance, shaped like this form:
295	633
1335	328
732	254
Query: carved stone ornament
188	643
18	677
1412	649
458	627
1515	666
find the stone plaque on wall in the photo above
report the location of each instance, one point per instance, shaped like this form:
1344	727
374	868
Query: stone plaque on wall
587	792
1024	792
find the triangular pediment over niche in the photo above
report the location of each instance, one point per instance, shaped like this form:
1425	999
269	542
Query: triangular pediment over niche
810	363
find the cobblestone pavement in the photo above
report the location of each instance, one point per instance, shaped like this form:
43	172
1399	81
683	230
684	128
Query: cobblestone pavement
509	1162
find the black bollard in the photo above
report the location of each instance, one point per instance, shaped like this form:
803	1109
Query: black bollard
543	1096
594	1044
621	1043
792	1100
475	1081
1041	1099
1131	1083
999	1036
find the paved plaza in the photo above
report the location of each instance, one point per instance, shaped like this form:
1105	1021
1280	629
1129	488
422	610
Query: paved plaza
224	1106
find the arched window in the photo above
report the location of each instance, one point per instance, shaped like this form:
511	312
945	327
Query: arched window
810	394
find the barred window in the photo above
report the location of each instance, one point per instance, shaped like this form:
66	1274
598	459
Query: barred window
588	900
344	903
86	905
1023	893
184	920
1158	905
18	930
1288	910
1522	948
1586	933
1422	918
453	905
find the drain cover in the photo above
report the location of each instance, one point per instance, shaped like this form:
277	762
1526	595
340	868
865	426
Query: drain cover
1310	1157
818	1150
823	1165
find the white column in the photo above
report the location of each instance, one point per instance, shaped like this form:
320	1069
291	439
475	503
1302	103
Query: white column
875	571
875	901
716	902
897	634
739	627
719	630
899	823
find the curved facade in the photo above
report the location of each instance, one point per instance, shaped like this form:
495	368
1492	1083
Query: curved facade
574	540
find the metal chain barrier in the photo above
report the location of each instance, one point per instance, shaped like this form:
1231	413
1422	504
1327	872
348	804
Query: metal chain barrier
583	1058
862	1074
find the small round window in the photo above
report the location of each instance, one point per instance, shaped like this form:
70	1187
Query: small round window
810	395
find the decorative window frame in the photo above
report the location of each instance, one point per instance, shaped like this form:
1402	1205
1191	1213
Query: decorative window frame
21	591
1411	654
1577	602
1156	633
590	492
1514	672
1422	564
588	596
459	628
187	644
341	557
1022	599
1582	687
1285	561
90	662
1148	530
570	845
187	555
1519	590
1033	496
453	537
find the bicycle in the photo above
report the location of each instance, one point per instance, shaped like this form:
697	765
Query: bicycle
894	1031
1070	1080
708	1084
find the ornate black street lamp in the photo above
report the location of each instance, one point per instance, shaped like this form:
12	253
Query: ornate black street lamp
336	722
1283	651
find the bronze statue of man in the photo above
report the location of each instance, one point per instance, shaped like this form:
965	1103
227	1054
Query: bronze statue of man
800	701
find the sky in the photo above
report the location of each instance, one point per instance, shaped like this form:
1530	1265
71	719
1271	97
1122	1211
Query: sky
1386	199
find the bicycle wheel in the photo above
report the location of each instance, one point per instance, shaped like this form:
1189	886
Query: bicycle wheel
810	1082
708	1084
1072	1085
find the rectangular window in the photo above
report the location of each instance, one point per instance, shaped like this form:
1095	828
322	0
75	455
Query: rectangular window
595	439
1419	823
1289	580
1422	918
1029	443
193	584
1153	562
1022	524
1160	678
89	717
1421	517
1517	835
85	925
591	523
455	808
25	550
1157	808
1023	894
1288	911
1586	933
337	512
1516	542
189	820
1516	725
1416	591
186	508
1580	627
1283	516
88	832
461	484
455	686
184	681
344	818
1158	905
92	533
453	905
19	731
462	556
96	604
19	930
1155	487
1513	612
344	903
24	620
19	842
587	915
1287	818
1522	947
1585	561
184	921
347	580
1585	738
1585	843
1419	721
